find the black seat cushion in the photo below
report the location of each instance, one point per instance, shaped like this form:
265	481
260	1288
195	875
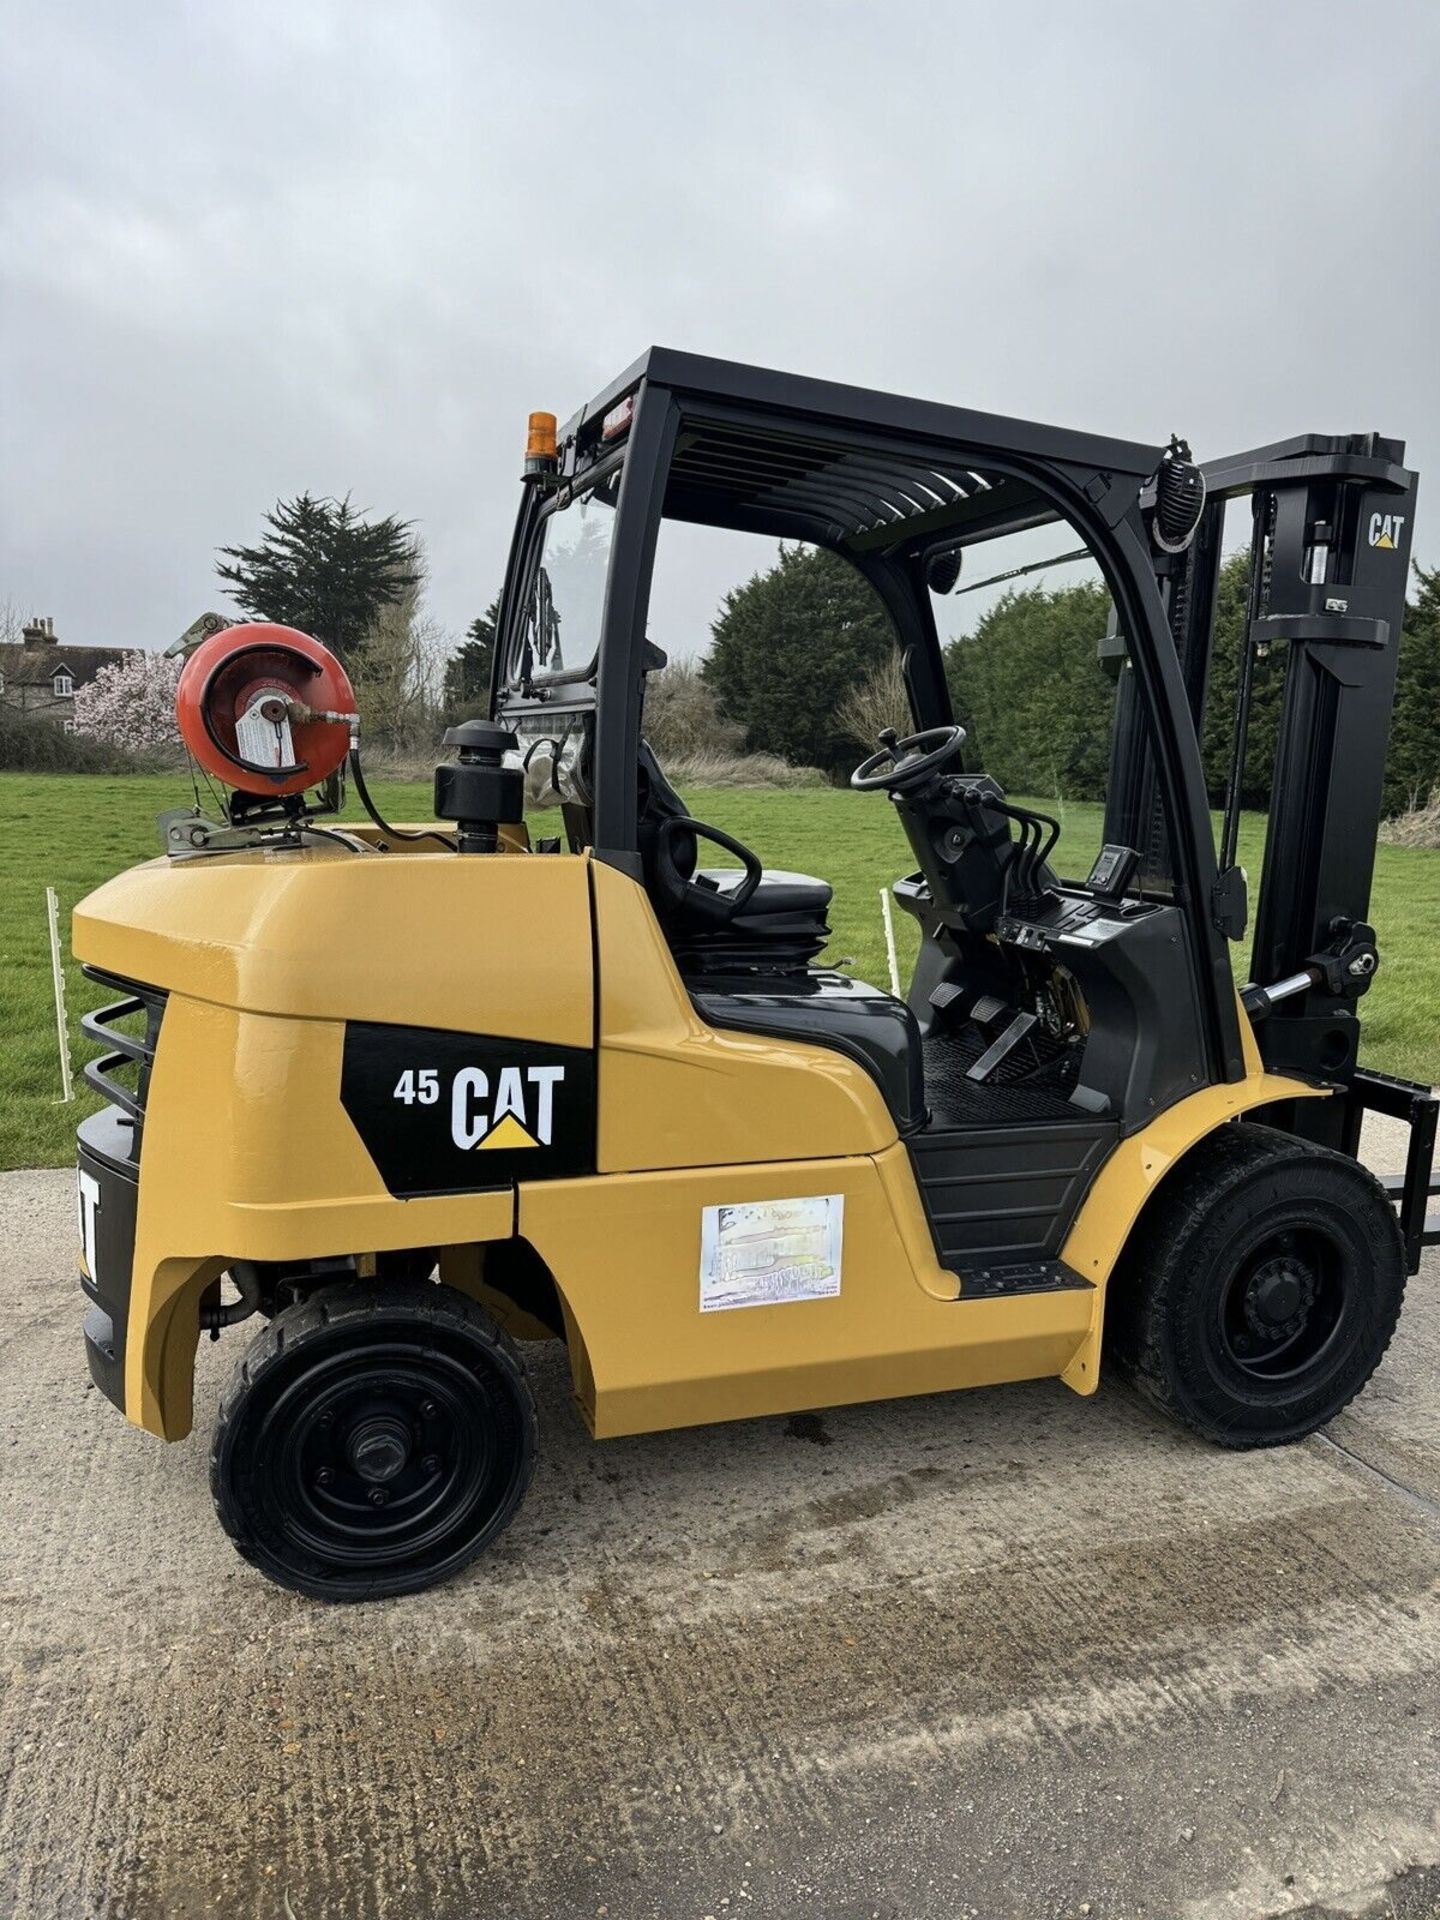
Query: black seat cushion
778	892
780	928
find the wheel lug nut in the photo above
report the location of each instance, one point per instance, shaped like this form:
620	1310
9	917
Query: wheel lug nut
324	1477
429	1409
431	1463
378	1496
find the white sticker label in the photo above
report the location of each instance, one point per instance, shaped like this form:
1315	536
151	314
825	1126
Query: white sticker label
764	1253
262	733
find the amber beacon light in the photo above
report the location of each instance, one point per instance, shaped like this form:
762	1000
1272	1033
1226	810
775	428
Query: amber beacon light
540	444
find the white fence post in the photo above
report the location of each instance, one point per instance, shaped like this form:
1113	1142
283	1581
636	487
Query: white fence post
57	974
887	914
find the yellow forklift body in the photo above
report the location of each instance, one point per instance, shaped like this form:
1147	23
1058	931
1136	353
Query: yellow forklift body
614	1092
249	1155
501	946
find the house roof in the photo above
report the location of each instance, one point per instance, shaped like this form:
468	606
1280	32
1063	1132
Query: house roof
37	666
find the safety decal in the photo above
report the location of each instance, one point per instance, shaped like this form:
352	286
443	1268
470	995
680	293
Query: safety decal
765	1253
443	1112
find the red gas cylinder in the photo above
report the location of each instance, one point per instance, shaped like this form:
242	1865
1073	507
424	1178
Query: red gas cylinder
265	708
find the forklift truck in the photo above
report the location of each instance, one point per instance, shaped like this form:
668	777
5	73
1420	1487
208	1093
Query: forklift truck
415	1097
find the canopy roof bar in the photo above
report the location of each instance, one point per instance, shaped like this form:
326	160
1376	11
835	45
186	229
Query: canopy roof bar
863	497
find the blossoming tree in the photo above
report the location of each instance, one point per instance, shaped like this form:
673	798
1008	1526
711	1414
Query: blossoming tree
132	703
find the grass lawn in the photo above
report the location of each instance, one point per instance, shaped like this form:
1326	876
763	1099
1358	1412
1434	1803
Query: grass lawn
71	832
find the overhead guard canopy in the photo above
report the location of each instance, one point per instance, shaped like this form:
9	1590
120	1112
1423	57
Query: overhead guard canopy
805	488
785	455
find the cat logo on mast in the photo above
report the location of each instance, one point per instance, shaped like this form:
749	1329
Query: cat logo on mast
1385	530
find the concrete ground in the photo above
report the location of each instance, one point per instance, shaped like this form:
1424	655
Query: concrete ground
1010	1653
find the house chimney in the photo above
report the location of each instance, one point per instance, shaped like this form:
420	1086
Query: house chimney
39	631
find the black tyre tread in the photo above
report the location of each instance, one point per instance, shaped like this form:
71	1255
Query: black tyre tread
329	1307
346	1299
1175	1209
1223	1163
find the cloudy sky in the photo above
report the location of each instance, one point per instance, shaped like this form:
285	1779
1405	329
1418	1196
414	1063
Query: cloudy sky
249	249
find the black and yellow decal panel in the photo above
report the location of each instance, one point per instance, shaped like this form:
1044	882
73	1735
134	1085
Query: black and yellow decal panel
107	1190
444	1112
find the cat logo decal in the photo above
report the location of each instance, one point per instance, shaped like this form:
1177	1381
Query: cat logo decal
444	1112
1385	530
520	1114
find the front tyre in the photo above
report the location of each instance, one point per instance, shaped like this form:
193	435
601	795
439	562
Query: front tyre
1261	1288
375	1438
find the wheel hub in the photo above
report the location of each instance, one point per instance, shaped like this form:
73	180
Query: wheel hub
379	1448
1279	1297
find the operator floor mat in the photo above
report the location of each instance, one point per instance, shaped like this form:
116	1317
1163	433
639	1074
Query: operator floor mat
1034	1083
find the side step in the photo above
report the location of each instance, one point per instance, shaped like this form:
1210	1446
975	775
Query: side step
1031	1276
1002	1196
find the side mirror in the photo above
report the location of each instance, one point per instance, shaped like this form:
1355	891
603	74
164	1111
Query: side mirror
1113	651
1230	903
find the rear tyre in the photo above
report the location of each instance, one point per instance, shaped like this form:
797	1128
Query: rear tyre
1262	1288
375	1438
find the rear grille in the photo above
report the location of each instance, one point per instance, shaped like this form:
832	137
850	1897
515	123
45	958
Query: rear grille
129	1052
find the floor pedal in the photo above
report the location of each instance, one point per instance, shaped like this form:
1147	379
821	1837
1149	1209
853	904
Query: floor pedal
999	1049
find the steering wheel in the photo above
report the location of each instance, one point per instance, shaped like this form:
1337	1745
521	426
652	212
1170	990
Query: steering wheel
678	892
901	764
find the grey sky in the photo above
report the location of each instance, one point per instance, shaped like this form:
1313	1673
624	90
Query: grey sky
254	248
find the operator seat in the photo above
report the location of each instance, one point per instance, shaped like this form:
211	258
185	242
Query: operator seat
781	927
753	973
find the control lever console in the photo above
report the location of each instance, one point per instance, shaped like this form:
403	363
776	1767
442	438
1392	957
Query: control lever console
977	868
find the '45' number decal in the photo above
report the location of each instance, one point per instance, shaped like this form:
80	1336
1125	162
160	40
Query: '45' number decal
422	1084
